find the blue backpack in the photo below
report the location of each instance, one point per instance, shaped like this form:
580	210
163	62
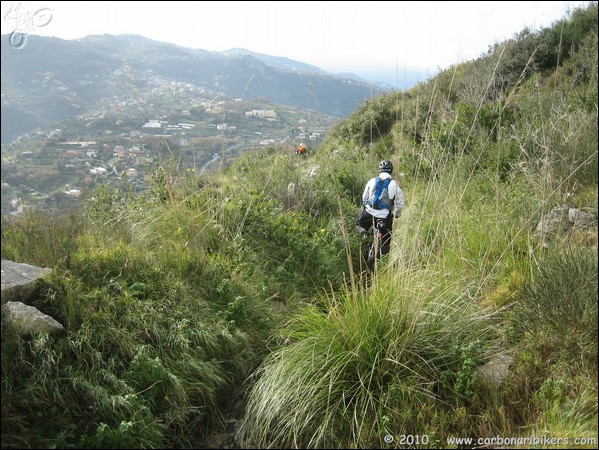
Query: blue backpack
380	187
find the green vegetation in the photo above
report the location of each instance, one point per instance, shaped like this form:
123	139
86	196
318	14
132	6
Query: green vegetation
356	367
246	286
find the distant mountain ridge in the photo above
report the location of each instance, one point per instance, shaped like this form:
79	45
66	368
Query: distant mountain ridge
278	62
50	79
283	63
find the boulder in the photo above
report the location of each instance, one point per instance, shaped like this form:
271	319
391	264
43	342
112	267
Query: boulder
29	320
562	220
19	281
581	219
497	369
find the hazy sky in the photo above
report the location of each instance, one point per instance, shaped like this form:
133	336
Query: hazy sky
358	37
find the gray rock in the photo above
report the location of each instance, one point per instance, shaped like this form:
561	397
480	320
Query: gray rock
581	219
497	369
555	221
29	319
562	220
19	281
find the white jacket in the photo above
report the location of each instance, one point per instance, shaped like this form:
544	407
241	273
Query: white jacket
395	194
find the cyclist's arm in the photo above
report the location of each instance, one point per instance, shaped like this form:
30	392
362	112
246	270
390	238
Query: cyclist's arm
366	193
398	201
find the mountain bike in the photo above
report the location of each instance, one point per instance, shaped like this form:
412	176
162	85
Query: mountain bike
374	250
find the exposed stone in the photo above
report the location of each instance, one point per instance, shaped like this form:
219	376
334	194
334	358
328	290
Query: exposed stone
19	281
29	319
497	369
555	221
581	219
562	219
311	172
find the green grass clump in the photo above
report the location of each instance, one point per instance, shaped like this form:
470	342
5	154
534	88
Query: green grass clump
352	369
559	305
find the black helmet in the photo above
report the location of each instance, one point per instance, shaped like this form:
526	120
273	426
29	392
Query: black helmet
386	166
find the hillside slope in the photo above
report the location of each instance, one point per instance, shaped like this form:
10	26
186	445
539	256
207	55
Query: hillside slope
243	291
50	78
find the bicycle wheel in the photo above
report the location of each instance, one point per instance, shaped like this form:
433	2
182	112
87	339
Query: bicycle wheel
370	258
374	252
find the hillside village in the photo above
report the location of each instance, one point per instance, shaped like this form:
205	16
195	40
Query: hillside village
119	142
78	114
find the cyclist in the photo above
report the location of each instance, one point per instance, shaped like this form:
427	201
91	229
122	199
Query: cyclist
382	200
301	150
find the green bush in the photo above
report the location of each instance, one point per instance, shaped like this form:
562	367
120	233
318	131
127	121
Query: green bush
559	305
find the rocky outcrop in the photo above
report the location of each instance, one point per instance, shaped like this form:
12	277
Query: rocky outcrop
19	285
562	220
497	369
20	281
580	218
29	320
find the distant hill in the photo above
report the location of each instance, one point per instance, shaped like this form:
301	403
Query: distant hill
278	62
51	79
